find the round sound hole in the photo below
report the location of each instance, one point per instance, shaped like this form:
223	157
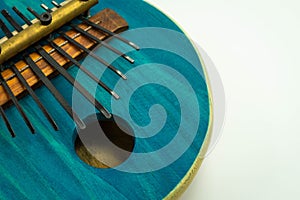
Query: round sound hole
105	143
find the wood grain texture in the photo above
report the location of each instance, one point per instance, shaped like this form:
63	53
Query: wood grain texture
46	166
106	18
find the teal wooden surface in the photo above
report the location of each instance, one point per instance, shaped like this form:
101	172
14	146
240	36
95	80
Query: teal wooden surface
45	165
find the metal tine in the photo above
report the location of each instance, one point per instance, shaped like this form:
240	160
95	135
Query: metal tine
46	8
22	16
8	34
8	125
78	45
75	62
96	26
69	78
57	5
38	72
86	71
5	29
96	39
9	18
100	28
20	77
33	12
103	43
51	87
15	102
13	22
34	96
86	50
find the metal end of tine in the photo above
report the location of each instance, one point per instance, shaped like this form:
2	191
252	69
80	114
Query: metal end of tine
81	124
123	76
129	59
106	113
115	95
46	8
57	5
97	26
134	46
87	72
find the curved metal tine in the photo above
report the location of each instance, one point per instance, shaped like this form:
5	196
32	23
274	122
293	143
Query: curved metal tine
71	40
8	34
20	14
69	78
13	22
55	92
92	54
57	5
34	96
38	72
75	62
16	103
5	29
6	121
98	27
85	70
9	18
46	8
103	43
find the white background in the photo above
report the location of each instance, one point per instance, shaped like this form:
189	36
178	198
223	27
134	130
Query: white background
255	45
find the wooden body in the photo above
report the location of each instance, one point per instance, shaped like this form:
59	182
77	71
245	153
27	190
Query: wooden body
46	166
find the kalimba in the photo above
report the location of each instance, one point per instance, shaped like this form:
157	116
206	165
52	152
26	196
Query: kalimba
116	94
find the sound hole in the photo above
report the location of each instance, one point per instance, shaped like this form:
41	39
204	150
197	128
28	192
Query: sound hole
105	143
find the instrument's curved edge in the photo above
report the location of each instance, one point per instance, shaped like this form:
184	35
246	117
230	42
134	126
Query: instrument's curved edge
190	175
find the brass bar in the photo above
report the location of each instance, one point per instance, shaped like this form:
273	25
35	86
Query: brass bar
37	31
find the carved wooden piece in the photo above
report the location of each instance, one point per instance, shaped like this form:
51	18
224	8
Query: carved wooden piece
106	18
